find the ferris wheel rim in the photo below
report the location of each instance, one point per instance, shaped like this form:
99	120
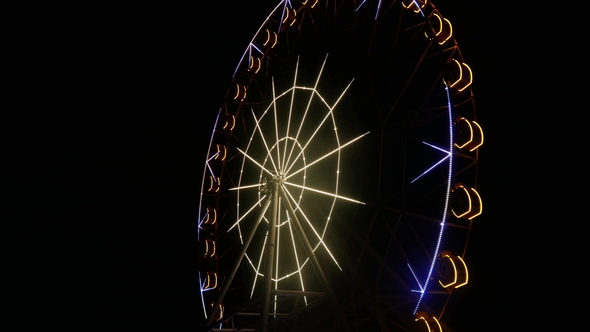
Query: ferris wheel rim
252	48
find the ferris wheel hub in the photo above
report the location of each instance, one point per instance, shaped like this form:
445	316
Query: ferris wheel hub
268	184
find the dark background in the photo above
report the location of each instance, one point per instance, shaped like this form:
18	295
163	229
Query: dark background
113	108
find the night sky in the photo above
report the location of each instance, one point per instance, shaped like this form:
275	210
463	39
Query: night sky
140	89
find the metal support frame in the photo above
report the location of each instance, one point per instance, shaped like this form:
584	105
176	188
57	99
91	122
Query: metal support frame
232	273
275	190
270	252
315	263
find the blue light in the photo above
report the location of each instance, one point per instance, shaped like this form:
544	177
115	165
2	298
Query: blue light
212	157
420	9
378	9
442	224
256	48
255	35
417	280
282	17
201	221
202	298
436	147
357	8
432	167
212	174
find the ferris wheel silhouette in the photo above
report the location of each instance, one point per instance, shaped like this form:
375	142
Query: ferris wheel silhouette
339	186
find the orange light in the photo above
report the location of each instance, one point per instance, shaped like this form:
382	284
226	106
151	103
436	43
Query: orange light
470	135
211	280
461	79
455	272
470	213
209	248
219	314
466	273
423	316
291	15
438	324
214	184
240	92
475	136
439	24
237	92
271	37
425	322
254	64
315	3
211	216
481	132
294	18
480	203
450	34
221	152
460	73
230	121
469	198
470	77
415	4
442	37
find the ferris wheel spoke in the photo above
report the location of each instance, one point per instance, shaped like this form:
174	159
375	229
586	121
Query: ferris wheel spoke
319	126
247	212
257	269
448	155
213	176
274	106
212	157
378	9
307	108
290	112
264	141
321	241
325	193
437	148
202	298
202	220
415	3
255	162
297	262
359	6
278	250
245	187
431	168
326	155
417	280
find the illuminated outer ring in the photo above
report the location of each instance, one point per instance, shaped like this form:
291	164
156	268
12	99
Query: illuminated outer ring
399	103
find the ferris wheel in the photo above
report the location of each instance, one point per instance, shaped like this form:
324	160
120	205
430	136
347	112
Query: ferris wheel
339	187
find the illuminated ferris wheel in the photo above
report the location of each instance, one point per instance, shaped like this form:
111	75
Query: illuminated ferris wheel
339	187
